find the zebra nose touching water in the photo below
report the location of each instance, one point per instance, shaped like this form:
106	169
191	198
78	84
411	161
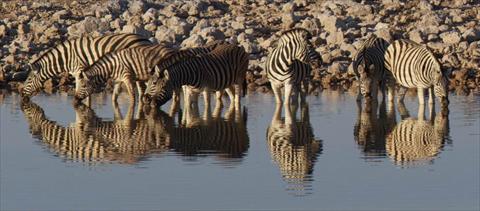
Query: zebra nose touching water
368	66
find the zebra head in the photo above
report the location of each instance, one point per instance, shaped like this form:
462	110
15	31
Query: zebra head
159	88
32	85
84	87
365	72
297	41
441	87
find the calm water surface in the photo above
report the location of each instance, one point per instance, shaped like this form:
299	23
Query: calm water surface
334	156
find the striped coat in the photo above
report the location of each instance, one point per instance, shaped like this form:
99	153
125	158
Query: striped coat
73	56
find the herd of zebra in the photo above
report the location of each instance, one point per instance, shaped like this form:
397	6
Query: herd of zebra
160	71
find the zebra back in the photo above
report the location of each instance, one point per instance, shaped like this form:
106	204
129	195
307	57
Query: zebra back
74	55
412	65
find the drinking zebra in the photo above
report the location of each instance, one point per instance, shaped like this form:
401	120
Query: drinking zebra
368	66
222	68
73	56
128	66
414	66
288	65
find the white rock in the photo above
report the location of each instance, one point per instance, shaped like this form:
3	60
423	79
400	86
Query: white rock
451	37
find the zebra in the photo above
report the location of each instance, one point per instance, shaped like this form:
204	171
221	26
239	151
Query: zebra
73	56
293	147
224	68
368	66
129	65
417	141
414	66
288	65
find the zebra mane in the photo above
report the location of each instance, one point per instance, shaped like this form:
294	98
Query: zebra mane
296	30
284	36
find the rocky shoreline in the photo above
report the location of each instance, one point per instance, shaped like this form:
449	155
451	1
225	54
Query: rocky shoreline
451	29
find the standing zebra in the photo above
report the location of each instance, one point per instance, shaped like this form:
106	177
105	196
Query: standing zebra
368	66
128	66
73	56
414	66
223	68
288	65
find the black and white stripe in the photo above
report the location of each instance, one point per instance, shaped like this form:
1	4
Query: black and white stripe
414	66
368	66
223	68
289	64
73	56
128	66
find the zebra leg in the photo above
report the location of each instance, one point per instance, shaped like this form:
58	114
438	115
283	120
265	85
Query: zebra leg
303	93
206	104
421	96
431	103
288	112
238	90
217	111
288	93
116	90
294	106
231	94
218	98
175	103
390	90
402	91
131	91
140	89
278	93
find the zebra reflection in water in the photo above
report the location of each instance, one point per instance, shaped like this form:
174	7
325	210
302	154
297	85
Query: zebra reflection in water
92	140
418	141
293	148
226	136
370	129
127	140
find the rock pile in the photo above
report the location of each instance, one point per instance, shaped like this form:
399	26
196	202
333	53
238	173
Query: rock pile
450	28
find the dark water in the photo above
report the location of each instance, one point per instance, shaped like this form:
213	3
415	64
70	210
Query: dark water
57	157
